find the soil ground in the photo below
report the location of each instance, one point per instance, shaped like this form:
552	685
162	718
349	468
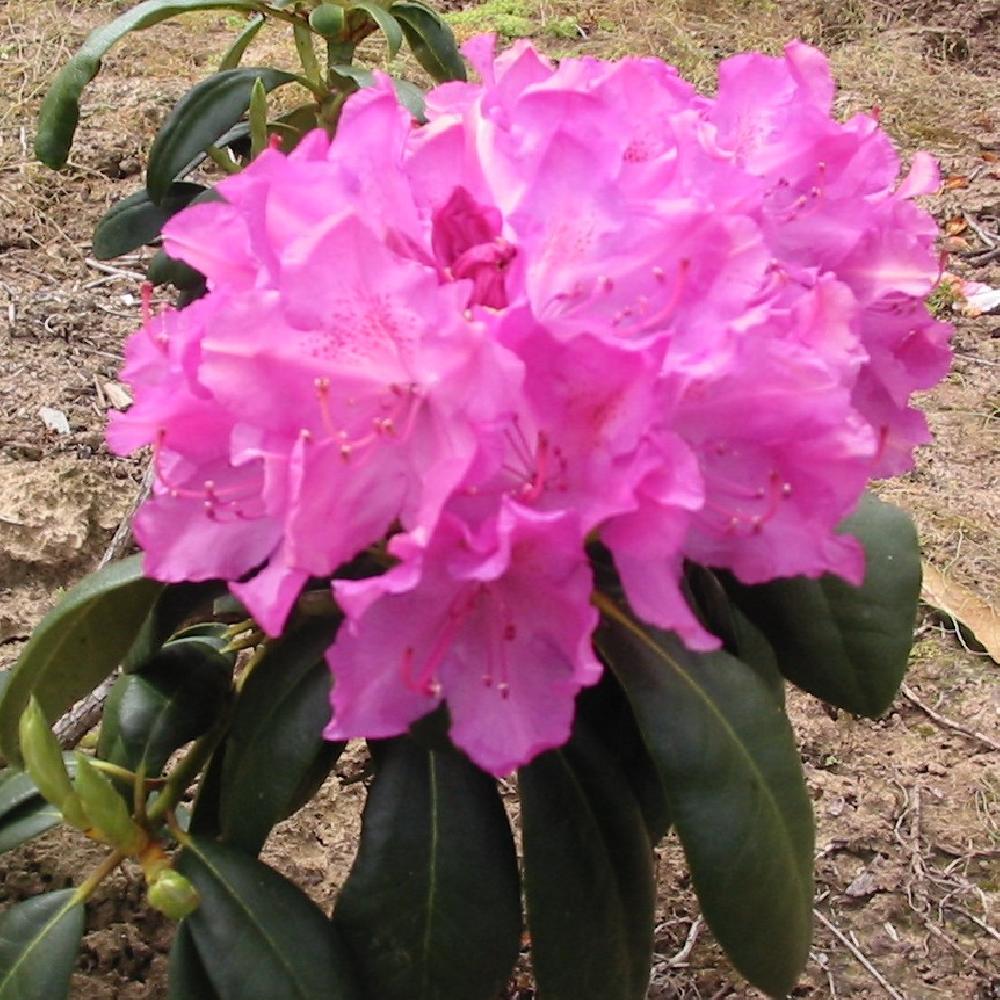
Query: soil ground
908	809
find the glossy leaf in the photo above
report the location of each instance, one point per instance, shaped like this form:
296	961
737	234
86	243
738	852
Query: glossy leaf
18	789
174	699
258	935
729	766
588	875
740	636
22	824
175	606
276	735
186	975
847	645
201	116
60	112
431	40
164	270
412	98
135	221
234	54
431	909
39	939
77	645
205	820
388	25
607	713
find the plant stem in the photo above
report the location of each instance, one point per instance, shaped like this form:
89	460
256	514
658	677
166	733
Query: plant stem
123	773
106	867
307	55
183	774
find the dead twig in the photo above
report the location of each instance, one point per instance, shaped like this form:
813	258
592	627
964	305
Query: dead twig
689	942
859	955
989	239
981	924
84	715
983	257
117	272
947	723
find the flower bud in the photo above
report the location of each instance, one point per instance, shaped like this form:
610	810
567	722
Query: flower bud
327	20
173	895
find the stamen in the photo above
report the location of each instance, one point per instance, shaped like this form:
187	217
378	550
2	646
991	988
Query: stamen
777	491
424	681
667	309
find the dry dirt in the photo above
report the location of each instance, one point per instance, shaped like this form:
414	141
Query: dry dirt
908	808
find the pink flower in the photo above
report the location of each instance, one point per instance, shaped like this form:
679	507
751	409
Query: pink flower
496	625
582	305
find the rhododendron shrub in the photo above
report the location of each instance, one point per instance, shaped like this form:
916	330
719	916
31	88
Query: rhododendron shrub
527	437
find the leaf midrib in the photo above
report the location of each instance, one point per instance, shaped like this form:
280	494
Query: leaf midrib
261	931
615	612
35	941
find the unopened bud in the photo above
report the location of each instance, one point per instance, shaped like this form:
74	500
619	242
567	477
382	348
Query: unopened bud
173	895
327	20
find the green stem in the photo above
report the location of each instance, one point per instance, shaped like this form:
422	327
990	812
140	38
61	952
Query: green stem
307	55
184	773
106	867
123	773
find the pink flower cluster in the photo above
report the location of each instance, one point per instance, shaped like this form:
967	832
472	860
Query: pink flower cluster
580	303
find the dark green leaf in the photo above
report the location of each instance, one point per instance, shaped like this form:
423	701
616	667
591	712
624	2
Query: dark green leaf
32	819
431	910
201	116
205	820
847	645
17	788
739	635
77	645
235	52
38	943
588	875
411	97
260	937
164	270
607	712
135	221
177	604
174	699
60	112
734	783
431	40
386	22
186	975
277	733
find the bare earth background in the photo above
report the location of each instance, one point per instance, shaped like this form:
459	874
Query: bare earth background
908	809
